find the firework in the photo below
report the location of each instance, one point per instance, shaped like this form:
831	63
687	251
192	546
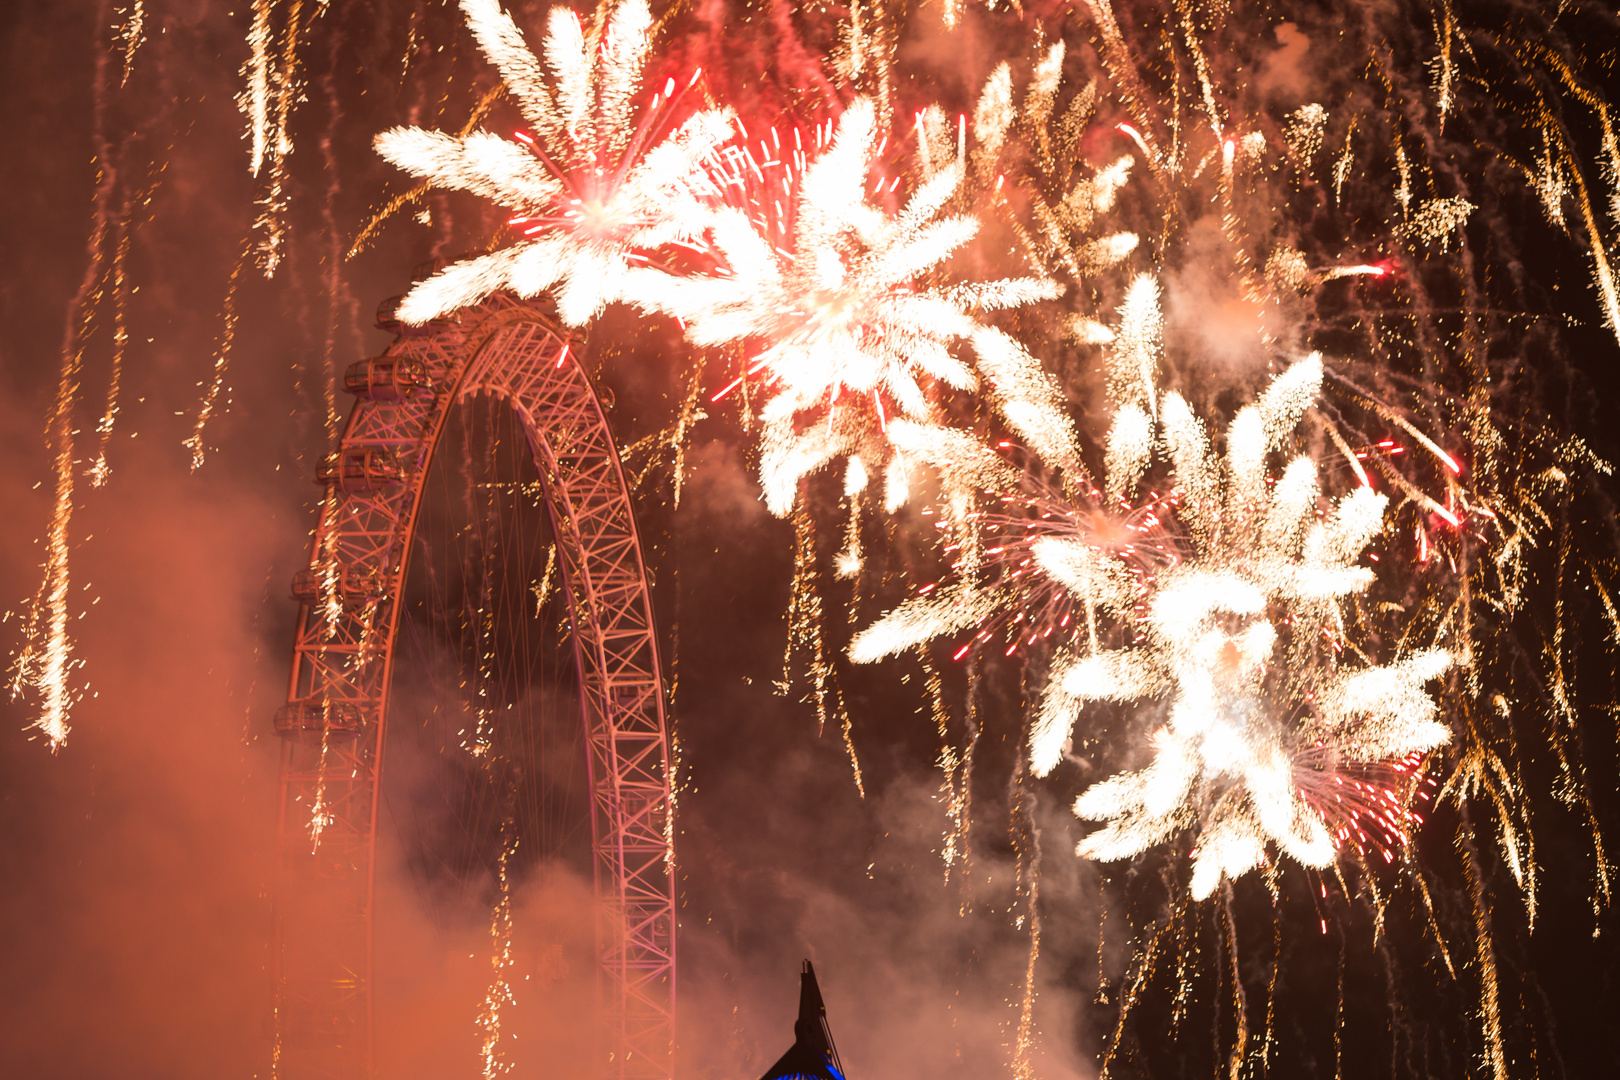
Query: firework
852	334
1041	555
1237	639
499	996
594	190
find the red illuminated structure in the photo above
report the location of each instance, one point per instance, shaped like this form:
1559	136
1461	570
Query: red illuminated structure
335	718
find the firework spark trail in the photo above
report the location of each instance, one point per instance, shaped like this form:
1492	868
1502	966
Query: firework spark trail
1268	1041
320	812
342	310
415	195
806	635
134	33
499	996
480	607
134	206
794	59
1146	956
1555	136
1573	765
45	661
1240	1001
952	765
272	129
1338	1012
974	715
1027	842
1117	59
1490	1004
255	97
222	361
1201	67
100	469
666	449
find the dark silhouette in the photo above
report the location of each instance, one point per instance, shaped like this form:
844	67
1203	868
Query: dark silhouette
812	1055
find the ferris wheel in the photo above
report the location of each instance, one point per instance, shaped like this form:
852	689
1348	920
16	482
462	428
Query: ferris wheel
335	721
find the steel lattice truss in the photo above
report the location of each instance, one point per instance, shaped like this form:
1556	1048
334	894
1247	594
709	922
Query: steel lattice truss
334	722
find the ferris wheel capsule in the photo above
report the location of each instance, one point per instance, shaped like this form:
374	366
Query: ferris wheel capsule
388	378
313	719
349	584
358	469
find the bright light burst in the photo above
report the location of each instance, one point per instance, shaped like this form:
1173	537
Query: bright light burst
1236	643
852	331
596	190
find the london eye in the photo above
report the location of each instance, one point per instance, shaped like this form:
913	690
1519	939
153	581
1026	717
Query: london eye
344	662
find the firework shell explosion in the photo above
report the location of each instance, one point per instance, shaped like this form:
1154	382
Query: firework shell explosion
596	188
1239	636
1200	354
842	313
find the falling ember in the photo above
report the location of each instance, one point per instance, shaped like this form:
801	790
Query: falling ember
44	664
255	99
222	363
499	996
133	33
101	469
320	811
275	87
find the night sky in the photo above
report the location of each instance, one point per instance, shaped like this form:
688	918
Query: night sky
135	864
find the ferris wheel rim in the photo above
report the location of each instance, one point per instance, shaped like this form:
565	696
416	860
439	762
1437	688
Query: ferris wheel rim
342	672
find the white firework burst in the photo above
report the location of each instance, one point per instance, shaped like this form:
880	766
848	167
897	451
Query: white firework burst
595	189
1237	643
853	334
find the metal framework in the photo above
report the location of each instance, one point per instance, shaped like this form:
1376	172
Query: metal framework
335	719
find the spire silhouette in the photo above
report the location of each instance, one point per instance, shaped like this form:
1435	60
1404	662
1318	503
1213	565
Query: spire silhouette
813	1056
